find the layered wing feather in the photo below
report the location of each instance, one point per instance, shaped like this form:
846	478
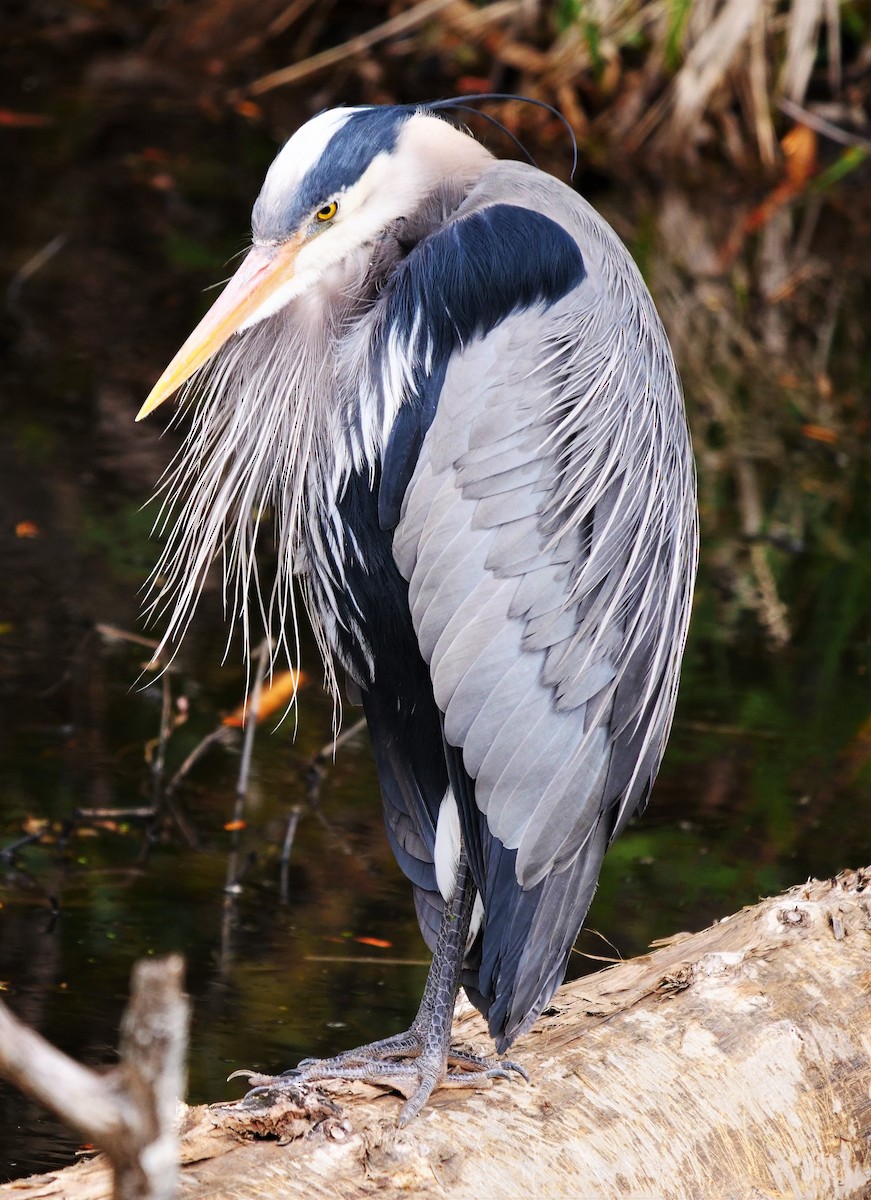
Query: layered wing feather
547	535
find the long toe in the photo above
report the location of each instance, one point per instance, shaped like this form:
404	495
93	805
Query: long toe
400	1045
465	1071
411	1070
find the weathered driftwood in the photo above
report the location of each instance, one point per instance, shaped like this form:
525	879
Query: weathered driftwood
727	1065
131	1109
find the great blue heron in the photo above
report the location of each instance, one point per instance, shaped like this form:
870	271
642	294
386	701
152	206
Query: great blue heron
446	378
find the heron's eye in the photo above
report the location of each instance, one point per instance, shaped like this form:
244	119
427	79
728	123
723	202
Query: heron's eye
327	212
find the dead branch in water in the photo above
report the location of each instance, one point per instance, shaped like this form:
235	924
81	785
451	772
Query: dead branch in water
131	1109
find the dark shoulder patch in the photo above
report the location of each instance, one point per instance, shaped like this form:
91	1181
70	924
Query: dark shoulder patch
471	275
460	283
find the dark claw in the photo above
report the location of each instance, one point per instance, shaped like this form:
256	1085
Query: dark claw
502	1072
261	1092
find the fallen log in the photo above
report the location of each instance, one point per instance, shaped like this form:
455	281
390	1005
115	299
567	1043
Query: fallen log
730	1064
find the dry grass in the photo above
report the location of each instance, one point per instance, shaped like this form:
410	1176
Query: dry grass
770	349
678	76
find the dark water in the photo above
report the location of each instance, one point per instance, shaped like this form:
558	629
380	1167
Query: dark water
756	794
117	212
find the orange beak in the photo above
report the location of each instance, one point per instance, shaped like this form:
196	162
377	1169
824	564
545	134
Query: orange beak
263	272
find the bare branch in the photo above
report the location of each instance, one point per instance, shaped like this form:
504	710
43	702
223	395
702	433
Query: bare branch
129	1110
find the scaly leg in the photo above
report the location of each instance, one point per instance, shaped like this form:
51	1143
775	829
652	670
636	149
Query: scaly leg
418	1061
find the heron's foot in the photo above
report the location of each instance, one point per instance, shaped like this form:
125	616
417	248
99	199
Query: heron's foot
403	1063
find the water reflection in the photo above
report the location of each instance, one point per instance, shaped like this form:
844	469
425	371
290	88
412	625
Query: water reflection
272	982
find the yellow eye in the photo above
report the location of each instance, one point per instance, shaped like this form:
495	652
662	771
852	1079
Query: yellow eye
327	212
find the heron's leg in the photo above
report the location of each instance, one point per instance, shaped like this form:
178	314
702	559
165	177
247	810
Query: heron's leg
443	979
418	1061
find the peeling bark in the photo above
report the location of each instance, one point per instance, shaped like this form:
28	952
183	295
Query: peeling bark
732	1064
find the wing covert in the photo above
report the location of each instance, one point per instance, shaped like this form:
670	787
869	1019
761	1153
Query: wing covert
548	542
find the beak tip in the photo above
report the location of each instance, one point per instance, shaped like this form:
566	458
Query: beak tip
258	277
155	399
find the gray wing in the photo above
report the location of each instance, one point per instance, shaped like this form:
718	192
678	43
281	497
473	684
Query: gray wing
548	539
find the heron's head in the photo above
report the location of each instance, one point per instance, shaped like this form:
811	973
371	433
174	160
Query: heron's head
344	180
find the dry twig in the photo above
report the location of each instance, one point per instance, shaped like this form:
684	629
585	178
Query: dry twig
336	55
130	1111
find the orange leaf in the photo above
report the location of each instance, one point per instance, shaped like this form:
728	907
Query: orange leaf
27	529
247	108
235	826
819	433
369	941
23	120
799	146
277	694
467	84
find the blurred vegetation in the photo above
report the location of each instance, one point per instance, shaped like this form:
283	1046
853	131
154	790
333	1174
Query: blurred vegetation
727	142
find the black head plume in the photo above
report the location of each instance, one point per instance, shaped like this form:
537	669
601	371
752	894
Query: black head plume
464	104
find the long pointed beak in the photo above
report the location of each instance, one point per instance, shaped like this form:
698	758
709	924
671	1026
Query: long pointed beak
261	274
